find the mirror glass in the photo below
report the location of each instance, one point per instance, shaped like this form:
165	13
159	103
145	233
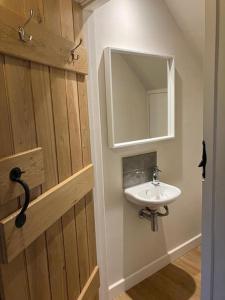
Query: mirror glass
140	97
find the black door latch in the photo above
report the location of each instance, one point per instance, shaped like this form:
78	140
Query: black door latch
15	175
203	162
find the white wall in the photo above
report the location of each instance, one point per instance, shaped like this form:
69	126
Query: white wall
190	17
129	102
146	25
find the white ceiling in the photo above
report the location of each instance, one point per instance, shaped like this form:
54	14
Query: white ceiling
190	17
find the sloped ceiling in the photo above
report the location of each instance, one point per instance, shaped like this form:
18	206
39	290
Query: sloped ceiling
188	14
151	70
190	17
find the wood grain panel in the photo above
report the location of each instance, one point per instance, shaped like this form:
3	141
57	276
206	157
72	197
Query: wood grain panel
56	261
21	106
22	121
74	121
52	18
91	231
68	220
8	280
14	5
55	238
37	7
37	257
45	138
44	121
37	268
58	88
81	216
71	255
5	128
64	168
76	161
86	150
83	258
56	265
30	162
67	19
78	21
84	118
5	133
45	48
24	134
48	208
36	254
91	287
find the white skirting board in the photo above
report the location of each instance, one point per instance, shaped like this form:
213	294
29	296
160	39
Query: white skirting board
126	283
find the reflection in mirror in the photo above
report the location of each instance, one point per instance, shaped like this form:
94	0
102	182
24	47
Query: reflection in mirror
140	97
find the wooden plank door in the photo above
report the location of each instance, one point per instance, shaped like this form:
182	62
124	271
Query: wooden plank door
43	106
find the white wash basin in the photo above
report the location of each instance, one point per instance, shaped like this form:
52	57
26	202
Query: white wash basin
151	195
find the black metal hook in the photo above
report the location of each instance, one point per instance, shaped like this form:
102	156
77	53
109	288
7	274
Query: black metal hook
15	175
76	57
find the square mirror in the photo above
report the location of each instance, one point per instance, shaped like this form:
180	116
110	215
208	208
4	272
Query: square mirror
140	97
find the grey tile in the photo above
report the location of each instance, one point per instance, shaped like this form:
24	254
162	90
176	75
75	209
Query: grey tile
138	169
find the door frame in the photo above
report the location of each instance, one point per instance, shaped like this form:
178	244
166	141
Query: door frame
96	149
214	131
209	112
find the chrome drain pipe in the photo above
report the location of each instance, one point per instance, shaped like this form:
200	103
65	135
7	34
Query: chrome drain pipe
152	215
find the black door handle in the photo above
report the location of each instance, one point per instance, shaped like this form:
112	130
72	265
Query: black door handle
15	175
203	162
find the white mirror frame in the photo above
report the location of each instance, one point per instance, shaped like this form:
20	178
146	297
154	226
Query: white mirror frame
109	98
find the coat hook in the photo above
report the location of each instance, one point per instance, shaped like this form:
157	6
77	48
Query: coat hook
24	37
75	56
15	175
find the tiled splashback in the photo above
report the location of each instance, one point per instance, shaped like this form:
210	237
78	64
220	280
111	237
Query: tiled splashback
138	169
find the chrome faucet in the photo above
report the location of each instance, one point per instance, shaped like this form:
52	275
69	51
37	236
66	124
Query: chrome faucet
155	176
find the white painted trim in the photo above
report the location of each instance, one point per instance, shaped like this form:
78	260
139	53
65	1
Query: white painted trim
126	283
140	142
139	52
185	247
171	96
109	97
218	163
96	142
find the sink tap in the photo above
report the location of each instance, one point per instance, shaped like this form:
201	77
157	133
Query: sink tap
156	172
